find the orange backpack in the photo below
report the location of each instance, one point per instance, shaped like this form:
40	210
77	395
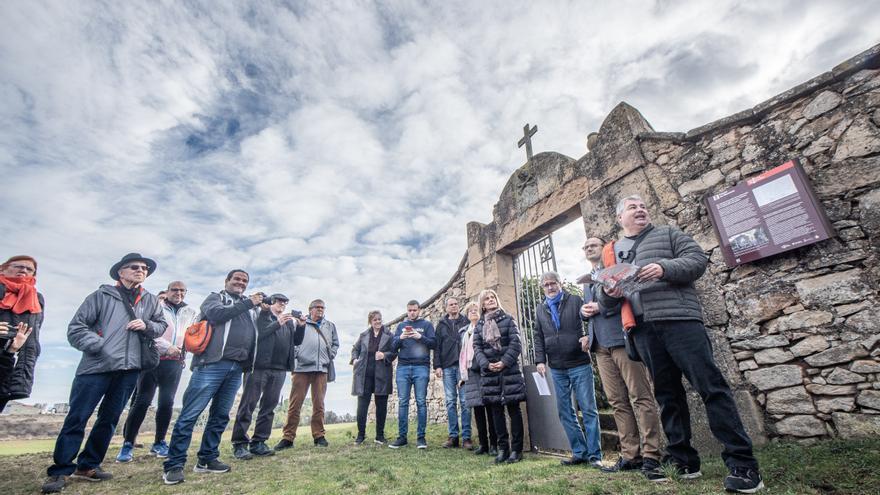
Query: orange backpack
197	337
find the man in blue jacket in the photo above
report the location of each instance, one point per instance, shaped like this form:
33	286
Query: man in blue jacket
216	376
413	340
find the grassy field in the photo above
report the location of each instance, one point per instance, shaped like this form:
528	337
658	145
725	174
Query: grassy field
833	467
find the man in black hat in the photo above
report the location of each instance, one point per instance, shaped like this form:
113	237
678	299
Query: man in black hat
277	335
107	328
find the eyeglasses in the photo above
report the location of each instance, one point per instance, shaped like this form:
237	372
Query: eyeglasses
317	307
549	284
176	289
135	268
23	267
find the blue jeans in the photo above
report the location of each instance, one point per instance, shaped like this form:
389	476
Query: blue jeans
454	395
112	390
416	375
578	381
216	383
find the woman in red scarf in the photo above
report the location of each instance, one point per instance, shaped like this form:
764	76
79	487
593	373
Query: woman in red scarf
21	315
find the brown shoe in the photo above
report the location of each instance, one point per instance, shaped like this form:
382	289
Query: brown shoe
467	444
451	443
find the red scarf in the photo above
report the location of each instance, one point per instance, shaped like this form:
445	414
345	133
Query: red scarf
21	295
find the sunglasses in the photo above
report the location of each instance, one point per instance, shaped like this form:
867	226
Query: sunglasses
135	268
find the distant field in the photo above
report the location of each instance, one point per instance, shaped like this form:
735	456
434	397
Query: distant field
832	467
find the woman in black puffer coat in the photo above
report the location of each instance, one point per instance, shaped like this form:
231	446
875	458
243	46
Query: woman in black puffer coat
496	350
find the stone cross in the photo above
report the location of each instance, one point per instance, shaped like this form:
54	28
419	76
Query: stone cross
527	140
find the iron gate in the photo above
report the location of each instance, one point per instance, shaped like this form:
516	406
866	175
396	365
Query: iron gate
527	269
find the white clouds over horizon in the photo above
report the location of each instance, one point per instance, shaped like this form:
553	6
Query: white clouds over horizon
338	149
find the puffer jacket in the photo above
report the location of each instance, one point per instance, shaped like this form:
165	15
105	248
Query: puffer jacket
473	395
98	330
18	379
674	296
560	349
506	386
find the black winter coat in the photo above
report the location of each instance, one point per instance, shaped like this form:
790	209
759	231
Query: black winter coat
384	383
275	342
473	394
560	349
448	341
18	377
506	386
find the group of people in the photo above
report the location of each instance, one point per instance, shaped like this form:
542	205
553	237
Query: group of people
643	344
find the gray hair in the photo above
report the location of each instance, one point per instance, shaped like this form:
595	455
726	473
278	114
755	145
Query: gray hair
551	275
622	203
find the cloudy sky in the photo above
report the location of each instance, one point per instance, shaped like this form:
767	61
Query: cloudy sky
337	149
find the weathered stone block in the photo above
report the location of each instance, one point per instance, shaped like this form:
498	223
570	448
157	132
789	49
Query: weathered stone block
793	400
801	426
840	354
773	356
848	309
856	425
784	375
823	102
765	342
869	398
865	366
860	139
701	183
842	376
802	319
748	364
831	389
809	345
869	211
865	321
829	405
834	288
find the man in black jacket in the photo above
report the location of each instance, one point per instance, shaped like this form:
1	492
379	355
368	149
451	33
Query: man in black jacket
560	342
671	339
446	367
216	376
276	338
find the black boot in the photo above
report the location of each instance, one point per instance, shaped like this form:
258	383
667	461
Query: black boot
481	450
514	457
501	457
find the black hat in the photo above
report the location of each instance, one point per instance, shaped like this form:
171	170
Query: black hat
279	297
128	258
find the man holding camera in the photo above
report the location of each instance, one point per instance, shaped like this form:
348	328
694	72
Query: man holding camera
277	332
216	376
313	369
412	340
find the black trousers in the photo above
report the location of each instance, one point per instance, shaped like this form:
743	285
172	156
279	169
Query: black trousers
485	427
671	349
263	387
514	442
165	377
381	413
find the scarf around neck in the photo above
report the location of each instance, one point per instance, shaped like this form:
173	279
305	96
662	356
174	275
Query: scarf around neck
21	295
491	332
466	356
553	304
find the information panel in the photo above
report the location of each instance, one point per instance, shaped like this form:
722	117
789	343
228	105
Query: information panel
771	213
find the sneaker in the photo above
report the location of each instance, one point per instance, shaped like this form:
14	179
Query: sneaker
241	452
653	471
743	480
160	449
623	464
283	444
96	474
261	449
596	464
359	440
125	453
54	484
173	476
381	440
682	471
573	461
213	466
321	442
400	442
138	445
451	443
421	443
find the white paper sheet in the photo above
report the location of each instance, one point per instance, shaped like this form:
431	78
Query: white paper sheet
541	383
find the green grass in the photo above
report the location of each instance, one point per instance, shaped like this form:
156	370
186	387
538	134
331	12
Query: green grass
833	467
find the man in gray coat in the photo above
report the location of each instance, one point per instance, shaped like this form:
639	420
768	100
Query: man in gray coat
107	328
314	369
671	339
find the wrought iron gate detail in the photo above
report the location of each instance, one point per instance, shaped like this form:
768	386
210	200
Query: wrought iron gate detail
527	269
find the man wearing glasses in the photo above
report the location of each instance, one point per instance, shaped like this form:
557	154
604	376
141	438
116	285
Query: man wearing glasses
313	370
563	344
106	328
164	377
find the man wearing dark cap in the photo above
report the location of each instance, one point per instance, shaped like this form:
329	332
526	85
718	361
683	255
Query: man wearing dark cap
107	328
277	335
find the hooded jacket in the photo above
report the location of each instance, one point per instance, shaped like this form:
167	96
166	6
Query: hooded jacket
98	330
17	371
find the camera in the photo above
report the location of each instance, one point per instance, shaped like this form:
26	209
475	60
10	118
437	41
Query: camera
296	314
268	300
